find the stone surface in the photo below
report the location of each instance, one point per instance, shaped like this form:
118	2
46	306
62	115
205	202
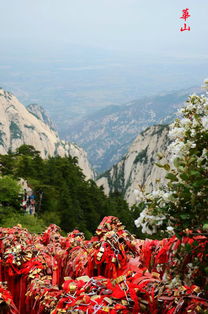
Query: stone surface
137	168
19	126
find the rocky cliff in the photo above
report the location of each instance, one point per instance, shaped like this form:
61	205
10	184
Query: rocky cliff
19	125
41	114
137	168
107	133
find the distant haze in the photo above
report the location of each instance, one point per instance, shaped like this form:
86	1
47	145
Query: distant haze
141	25
80	55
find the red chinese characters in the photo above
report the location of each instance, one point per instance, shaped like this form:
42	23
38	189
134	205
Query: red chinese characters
185	28
185	16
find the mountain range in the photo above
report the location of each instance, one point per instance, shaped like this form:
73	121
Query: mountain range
110	136
107	133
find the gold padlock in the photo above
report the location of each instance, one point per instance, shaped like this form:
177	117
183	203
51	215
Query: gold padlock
108	300
72	288
99	256
120	279
124	302
105	309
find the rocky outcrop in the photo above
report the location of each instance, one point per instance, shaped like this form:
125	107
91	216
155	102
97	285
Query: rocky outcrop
137	168
19	126
41	114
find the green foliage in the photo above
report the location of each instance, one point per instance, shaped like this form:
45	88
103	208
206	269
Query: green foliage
9	191
33	224
142	156
27	150
51	217
172	177
63	196
121	210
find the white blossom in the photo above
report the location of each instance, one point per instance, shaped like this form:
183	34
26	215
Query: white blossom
189	107
169	228
167	196
149	222
195	123
187	133
139	195
176	132
185	122
156	193
193	132
176	148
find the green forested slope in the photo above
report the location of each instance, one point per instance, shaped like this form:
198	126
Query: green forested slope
67	198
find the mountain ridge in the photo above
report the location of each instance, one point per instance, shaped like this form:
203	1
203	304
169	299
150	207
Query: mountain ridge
107	133
19	126
137	169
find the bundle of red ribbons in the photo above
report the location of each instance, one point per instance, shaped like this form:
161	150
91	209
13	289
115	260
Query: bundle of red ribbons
111	273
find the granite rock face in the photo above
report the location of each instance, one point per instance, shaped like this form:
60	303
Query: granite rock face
137	168
19	125
40	113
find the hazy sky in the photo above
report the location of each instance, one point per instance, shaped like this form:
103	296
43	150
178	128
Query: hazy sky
135	25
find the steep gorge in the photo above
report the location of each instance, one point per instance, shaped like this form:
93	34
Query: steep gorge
137	168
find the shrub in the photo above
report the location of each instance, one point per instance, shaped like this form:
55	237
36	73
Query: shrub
183	202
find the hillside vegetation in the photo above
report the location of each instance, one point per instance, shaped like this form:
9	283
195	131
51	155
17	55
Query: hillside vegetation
63	196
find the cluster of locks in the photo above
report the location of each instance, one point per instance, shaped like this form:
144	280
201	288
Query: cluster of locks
113	272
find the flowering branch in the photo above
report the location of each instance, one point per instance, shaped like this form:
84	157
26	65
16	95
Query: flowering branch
182	203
